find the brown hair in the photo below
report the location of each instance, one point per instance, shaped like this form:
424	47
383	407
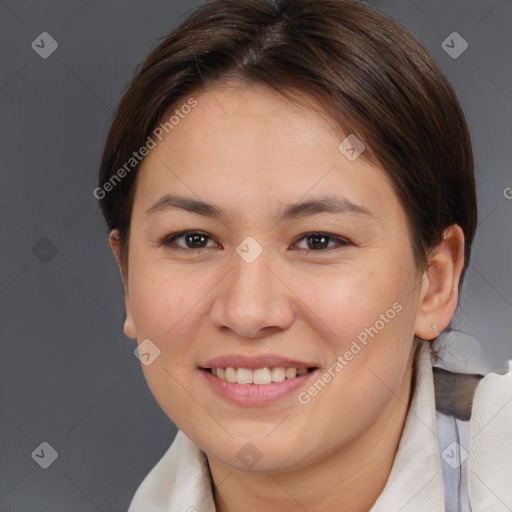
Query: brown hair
369	73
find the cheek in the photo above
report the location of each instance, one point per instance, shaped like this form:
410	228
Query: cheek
371	324
166	305
164	297
366	314
352	298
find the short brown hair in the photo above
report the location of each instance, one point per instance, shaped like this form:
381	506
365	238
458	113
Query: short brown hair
368	72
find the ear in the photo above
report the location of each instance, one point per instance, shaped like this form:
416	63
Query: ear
129	324
439	293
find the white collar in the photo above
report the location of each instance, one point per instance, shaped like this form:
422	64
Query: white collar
415	483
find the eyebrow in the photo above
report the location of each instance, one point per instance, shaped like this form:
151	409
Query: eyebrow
328	204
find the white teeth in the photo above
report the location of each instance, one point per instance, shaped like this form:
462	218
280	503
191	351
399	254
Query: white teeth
259	376
244	376
230	374
278	374
291	373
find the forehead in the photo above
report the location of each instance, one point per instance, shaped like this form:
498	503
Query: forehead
237	121
239	142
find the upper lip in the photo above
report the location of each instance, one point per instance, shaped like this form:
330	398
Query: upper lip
252	362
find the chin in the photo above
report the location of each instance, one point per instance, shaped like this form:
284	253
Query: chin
256	454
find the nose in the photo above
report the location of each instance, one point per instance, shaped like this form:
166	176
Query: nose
252	300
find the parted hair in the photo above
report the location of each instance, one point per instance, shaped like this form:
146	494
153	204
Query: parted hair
369	73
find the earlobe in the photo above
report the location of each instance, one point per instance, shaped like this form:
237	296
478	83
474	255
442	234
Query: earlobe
440	285
129	325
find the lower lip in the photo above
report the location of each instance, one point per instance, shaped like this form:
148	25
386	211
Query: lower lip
254	395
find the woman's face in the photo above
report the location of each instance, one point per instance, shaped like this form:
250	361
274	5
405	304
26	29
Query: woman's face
303	260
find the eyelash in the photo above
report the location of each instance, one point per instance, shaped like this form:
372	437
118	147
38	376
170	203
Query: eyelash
169	241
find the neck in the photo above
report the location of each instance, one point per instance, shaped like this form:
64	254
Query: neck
351	478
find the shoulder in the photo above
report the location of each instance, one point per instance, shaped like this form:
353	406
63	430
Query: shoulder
490	444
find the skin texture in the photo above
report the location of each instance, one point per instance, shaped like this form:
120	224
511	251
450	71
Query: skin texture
251	152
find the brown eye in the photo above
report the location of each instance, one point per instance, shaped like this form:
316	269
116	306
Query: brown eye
320	241
187	240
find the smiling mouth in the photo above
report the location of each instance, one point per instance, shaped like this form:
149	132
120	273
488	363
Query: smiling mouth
259	376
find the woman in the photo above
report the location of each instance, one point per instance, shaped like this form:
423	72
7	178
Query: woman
290	193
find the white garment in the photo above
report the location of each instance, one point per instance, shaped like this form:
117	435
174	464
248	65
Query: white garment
180	481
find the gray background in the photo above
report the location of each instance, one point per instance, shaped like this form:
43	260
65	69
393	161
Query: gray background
68	375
